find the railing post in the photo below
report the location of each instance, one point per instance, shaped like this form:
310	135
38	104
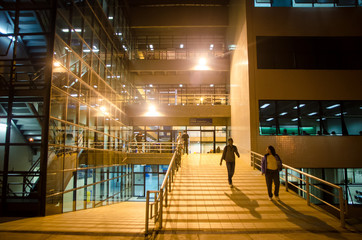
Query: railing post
161	208
166	191
307	190
341	206
147	211
286	179
253	160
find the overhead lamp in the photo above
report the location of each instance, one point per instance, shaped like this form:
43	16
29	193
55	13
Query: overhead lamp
181	85
295	119
283	113
56	64
269	119
181	45
110	18
265	105
300	106
333	106
312	113
152	112
211	85
202	65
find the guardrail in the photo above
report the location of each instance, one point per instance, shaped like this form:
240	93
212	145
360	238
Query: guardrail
154	210
151	147
307	179
184	99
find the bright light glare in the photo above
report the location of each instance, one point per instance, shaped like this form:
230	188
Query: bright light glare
152	112
202	65
103	108
56	64
3	127
265	105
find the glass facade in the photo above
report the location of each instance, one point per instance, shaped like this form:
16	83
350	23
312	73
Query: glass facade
147	178
88	127
299	117
63	81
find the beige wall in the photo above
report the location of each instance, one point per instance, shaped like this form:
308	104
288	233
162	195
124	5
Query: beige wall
304	151
239	78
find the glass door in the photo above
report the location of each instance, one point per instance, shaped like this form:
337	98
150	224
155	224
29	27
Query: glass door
207	141
194	146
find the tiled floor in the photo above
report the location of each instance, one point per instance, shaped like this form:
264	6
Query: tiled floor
203	207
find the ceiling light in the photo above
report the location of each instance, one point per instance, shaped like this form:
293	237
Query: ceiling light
283	113
269	119
333	106
265	105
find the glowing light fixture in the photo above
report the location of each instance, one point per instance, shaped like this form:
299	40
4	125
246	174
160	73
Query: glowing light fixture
152	112
31	139
181	45
295	119
283	113
181	85
202	65
211	85
265	105
333	106
110	18
56	64
269	119
312	113
300	106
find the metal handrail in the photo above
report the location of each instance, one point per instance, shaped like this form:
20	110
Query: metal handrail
151	147
155	209
342	203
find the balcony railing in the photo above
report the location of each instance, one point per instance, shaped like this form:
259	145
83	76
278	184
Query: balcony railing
310	187
184	99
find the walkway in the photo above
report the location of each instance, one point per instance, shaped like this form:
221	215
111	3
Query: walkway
203	206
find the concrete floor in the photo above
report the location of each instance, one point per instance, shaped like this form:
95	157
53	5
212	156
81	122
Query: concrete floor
203	206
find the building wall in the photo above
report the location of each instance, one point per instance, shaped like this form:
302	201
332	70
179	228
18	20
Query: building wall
239	78
322	151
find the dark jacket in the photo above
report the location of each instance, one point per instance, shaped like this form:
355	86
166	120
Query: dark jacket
264	163
230	157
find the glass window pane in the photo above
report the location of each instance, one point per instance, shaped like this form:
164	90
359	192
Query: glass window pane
310	118
138	178
139	191
287	114
352	114
267	118
331	118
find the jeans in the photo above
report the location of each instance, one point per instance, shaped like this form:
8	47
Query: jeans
270	177
186	148
231	169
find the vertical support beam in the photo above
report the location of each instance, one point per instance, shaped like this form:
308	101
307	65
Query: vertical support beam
307	191
161	208
147	211
47	96
286	179
341	207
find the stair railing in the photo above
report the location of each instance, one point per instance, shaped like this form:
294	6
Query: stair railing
307	180
154	210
